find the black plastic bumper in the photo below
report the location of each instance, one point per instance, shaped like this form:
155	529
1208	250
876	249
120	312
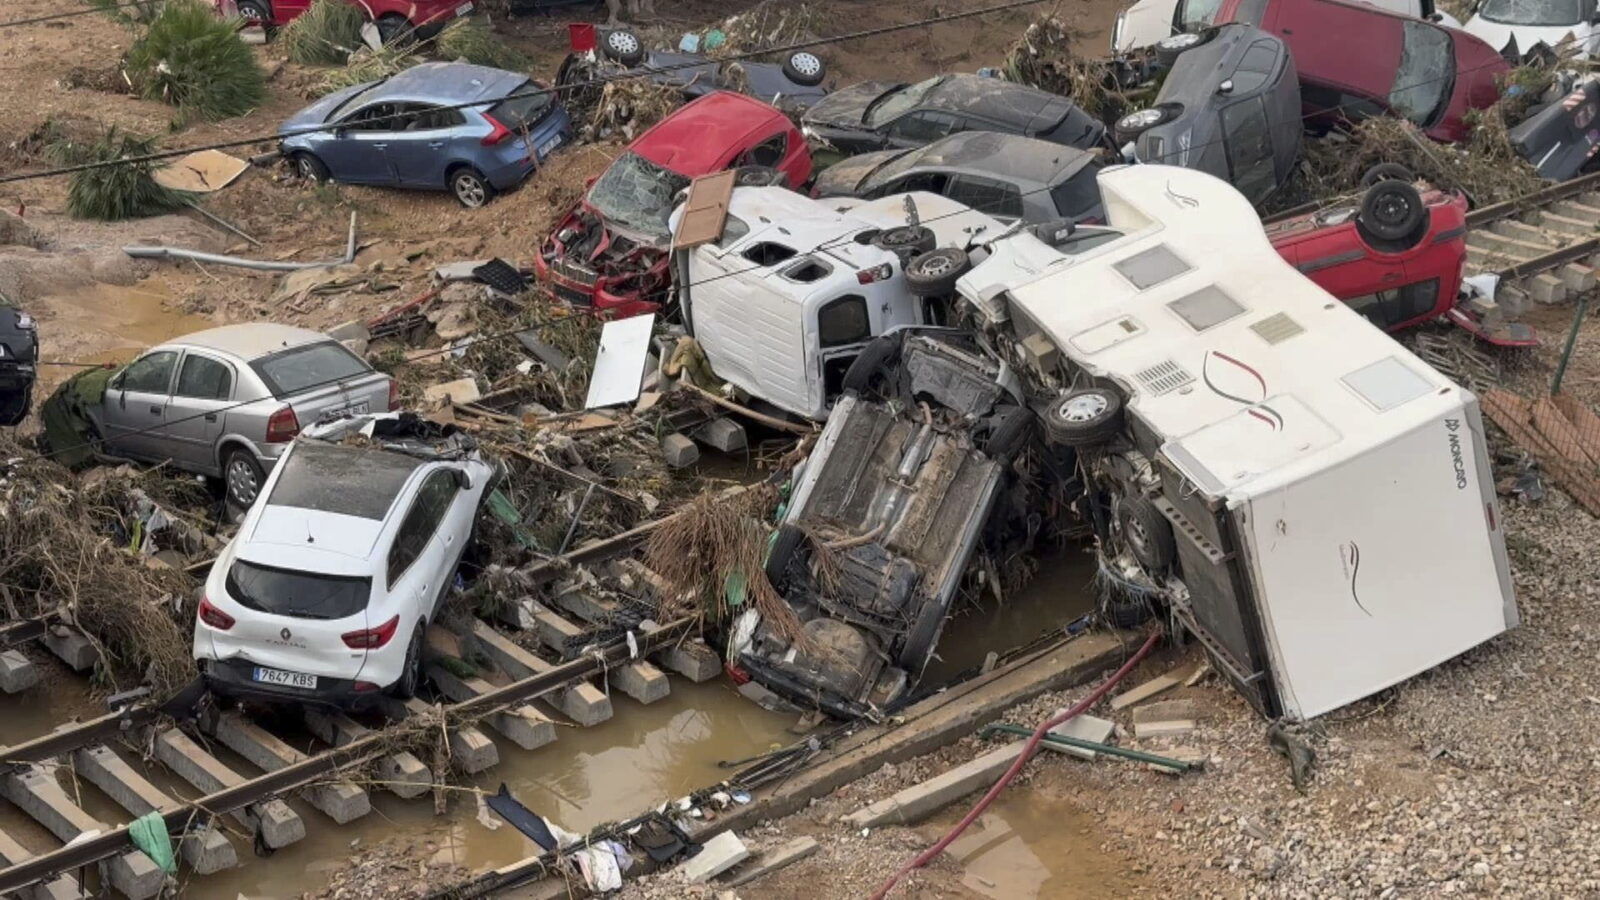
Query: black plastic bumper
234	678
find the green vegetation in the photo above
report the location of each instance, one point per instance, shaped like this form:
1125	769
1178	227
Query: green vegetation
115	192
324	35
469	40
195	61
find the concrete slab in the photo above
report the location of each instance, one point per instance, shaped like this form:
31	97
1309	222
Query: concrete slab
17	672
1166	717
1578	278
342	801
523	725
206	850
71	647
471	751
556	631
722	434
921	800
1545	288
402	774
769	861
582	703
638	679
679	451
1146	690
279	825
36	792
692	659
63	887
718	855
1084	728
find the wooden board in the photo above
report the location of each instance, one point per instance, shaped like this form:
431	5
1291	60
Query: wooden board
705	211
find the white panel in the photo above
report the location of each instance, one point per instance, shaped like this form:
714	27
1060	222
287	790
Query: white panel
619	363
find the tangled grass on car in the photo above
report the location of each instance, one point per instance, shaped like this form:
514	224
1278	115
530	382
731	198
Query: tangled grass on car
196	62
324	35
469	40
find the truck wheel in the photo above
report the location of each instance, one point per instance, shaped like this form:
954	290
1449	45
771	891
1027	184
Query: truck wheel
1393	212
623	46
1147	533
805	69
873	362
1084	417
913	239
1009	430
935	273
1386	172
255	12
789	539
758	176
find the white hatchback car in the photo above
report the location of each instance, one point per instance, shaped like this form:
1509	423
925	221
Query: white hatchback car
325	593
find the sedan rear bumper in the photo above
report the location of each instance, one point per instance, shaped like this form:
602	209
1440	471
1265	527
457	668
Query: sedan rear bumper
232	678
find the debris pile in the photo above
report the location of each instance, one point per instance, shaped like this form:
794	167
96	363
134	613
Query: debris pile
627	107
1043	58
1561	432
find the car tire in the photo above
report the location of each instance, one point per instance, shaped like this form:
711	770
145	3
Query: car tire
1084	417
758	176
405	687
470	188
309	167
1130	126
395	30
906	239
1169	48
805	69
14	405
935	273
784	547
1147	533
255	12
1386	172
1392	214
623	46
242	479
1126	612
1009	430
872	363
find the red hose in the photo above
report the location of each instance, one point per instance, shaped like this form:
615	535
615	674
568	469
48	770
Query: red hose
1028	750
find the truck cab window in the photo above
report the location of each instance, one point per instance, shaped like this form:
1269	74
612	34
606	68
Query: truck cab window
843	321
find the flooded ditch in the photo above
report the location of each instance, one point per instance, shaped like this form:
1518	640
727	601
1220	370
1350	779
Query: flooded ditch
105	323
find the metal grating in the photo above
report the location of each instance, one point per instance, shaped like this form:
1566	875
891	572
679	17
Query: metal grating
1277	328
1164	377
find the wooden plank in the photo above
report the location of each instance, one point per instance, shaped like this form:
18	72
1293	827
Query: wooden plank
1559	432
1583	420
705	210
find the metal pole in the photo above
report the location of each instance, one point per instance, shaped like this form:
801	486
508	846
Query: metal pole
1572	342
1063	741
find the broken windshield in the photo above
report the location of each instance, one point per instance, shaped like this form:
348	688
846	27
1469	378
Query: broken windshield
892	104
1537	12
637	194
1426	74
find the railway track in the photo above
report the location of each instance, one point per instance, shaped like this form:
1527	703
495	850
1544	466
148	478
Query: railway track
549	681
1544	246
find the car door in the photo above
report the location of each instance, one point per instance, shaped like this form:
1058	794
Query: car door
1247	140
415	576
923	126
424	145
357	153
133	411
990	196
197	412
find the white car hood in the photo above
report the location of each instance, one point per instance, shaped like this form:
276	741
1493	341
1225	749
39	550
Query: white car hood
1142	24
1497	34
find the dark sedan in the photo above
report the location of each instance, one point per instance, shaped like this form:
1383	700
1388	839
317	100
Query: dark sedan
793	85
880	115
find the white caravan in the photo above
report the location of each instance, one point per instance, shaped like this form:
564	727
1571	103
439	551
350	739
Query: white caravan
1145	23
1309	498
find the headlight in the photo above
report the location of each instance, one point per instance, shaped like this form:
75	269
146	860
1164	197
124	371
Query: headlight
25	321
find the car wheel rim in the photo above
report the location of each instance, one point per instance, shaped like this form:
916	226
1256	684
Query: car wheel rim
1394	209
1084	408
1181	41
242	486
936	266
306	171
1144	118
623	43
470	191
806	64
899	236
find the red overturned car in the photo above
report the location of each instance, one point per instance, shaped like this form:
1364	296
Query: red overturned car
610	252
1394	255
394	18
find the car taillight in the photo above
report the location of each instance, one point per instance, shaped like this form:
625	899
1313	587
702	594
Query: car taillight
371	638
498	135
363	687
282	426
394	395
874	274
214	617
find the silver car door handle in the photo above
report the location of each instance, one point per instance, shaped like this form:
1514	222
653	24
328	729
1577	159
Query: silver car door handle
211	417
436	145
380	146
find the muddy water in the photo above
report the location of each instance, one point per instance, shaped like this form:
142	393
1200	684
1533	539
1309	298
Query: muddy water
107	323
1033	847
1060	592
645	755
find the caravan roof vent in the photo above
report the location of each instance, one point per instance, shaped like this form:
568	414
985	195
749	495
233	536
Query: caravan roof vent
1151	267
1206	308
1387	383
1277	328
1164	377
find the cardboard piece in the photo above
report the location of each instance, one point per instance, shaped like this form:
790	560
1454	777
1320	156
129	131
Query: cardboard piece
201	172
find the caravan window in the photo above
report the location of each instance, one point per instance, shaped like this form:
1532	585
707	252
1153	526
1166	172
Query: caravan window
843	321
768	253
807	270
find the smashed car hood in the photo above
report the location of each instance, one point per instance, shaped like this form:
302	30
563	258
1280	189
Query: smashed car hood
844	177
845	108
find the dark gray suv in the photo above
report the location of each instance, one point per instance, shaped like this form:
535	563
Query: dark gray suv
1230	106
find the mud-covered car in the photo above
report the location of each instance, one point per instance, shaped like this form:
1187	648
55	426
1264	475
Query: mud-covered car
906	484
793	85
879	115
610	251
1230	106
19	357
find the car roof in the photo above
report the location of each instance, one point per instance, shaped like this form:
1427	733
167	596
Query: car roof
993	98
251	340
353	480
446	82
1320	33
1017	157
695	139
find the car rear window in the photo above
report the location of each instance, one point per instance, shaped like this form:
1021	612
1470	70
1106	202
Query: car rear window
516	112
303	368
1077	195
344	479
303	595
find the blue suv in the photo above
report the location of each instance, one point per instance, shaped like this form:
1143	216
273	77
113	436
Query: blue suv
470	130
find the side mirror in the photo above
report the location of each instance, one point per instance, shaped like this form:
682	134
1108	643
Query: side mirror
462	479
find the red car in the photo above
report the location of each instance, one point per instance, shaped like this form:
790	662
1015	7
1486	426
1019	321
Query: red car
394	18
1395	256
1357	60
610	252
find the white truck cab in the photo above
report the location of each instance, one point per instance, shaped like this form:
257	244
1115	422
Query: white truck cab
1310	499
794	288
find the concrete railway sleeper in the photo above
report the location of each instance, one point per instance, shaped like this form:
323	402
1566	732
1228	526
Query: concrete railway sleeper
254	801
